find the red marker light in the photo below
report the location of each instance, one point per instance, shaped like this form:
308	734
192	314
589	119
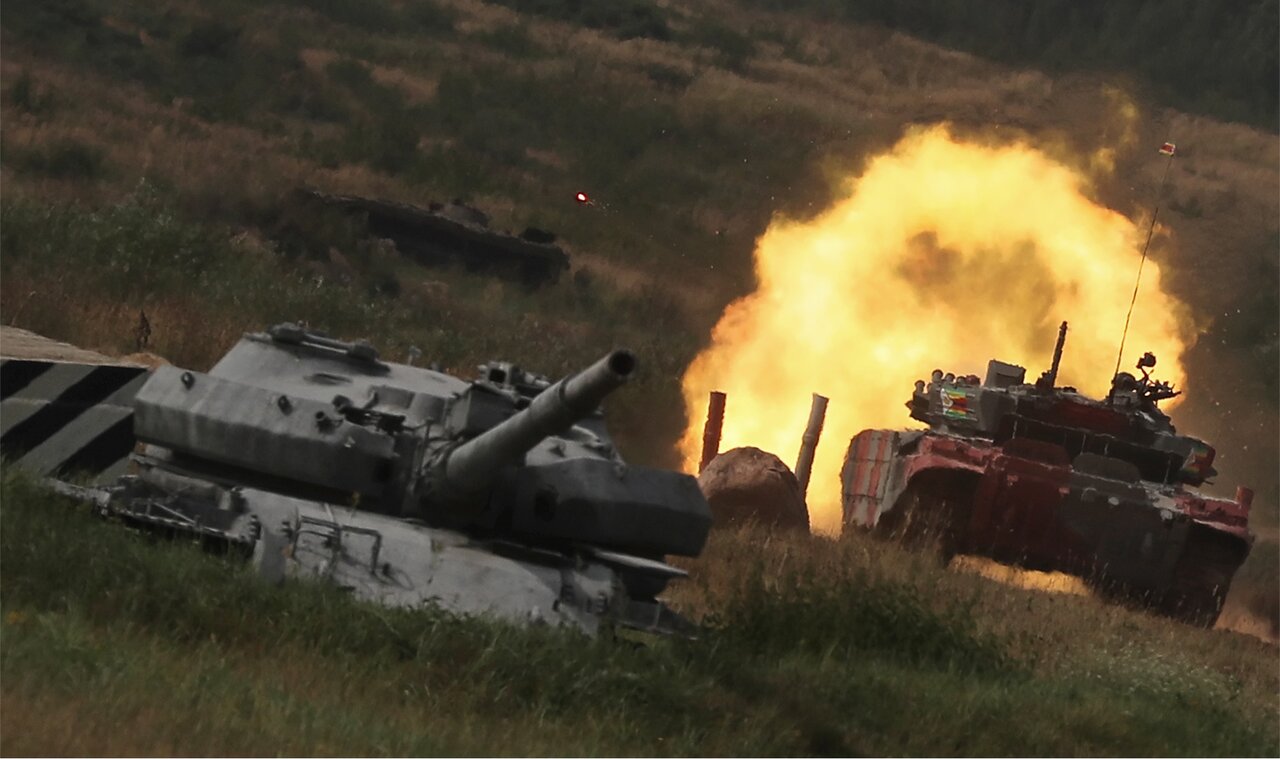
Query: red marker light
582	198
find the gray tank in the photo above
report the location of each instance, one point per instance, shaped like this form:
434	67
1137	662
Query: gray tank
502	496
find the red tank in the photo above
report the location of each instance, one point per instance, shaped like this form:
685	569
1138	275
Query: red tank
1043	477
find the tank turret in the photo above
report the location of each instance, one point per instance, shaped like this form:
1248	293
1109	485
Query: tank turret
468	468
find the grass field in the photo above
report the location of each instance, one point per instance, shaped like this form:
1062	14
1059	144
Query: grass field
116	645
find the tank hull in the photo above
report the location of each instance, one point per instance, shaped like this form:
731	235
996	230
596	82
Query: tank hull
401	563
1028	503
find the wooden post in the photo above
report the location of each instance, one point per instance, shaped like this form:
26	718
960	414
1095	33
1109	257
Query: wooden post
809	443
711	433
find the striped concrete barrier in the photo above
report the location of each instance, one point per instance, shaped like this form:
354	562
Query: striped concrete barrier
66	417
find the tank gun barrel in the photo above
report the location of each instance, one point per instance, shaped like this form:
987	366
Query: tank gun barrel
1049	378
469	467
1057	354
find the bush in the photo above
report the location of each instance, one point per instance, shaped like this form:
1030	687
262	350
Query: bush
733	48
388	145
65	158
135	247
512	39
208	39
369	16
26	95
430	17
350	73
668	78
624	19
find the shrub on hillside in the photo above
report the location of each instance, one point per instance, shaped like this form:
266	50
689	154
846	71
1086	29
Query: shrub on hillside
27	95
370	16
733	48
65	158
624	19
208	38
512	39
430	17
137	246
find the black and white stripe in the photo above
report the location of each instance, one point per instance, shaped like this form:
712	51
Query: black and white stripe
60	418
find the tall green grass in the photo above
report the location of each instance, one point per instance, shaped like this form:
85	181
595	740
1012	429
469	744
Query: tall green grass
157	648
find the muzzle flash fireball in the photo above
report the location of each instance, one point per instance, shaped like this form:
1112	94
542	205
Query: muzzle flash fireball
941	250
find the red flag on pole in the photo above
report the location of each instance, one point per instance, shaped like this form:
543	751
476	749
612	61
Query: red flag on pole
1168	148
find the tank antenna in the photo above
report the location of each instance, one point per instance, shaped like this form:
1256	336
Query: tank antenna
1167	149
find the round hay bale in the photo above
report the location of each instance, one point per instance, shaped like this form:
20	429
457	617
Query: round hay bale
748	484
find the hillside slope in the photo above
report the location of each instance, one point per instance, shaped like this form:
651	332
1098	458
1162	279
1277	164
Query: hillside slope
691	125
810	647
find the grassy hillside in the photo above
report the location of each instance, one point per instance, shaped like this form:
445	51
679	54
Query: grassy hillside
1206	56
690	123
811	646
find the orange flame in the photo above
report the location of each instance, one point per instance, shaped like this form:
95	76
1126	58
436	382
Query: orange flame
943	254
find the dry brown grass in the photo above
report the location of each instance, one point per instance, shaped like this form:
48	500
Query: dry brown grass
210	163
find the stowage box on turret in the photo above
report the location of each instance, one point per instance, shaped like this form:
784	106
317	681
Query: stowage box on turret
500	496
